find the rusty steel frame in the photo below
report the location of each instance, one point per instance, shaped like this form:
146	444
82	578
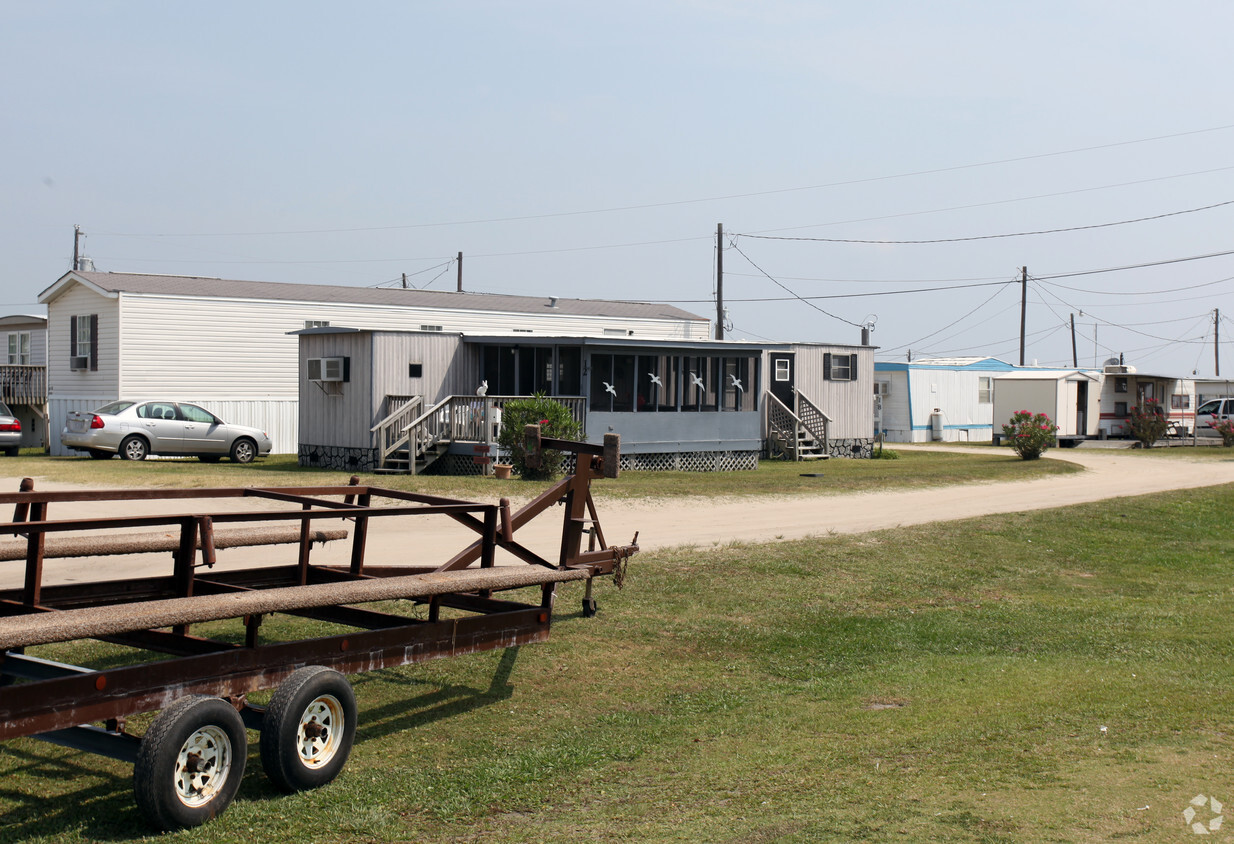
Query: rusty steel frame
57	702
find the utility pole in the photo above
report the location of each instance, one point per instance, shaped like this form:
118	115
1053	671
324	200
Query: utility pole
719	281
404	281
1075	360
1216	330
76	248
1023	309
460	272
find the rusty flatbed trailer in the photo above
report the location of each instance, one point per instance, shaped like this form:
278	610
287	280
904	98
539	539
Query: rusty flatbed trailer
189	762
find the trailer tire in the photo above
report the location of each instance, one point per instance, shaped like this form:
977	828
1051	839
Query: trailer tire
190	762
308	729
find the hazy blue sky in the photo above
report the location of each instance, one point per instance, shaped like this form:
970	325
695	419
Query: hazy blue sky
588	149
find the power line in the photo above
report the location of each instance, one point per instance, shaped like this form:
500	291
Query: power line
992	203
990	236
672	203
793	293
949	325
795	297
1137	266
1140	292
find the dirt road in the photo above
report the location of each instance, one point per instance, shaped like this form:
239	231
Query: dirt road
705	522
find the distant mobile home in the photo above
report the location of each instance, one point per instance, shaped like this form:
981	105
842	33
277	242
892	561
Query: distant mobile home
944	399
1125	388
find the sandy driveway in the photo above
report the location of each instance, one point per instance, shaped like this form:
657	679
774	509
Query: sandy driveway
1108	474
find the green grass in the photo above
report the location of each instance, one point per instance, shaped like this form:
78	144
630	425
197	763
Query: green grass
942	683
773	477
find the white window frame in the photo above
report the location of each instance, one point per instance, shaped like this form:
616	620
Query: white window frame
317	323
784	369
83	337
19	348
985	389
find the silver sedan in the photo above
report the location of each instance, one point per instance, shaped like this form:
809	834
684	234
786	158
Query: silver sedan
135	429
10	431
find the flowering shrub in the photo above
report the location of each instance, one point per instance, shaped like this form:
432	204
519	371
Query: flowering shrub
1148	423
555	420
1226	429
1030	434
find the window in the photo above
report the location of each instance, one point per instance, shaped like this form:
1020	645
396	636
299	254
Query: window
1120	385
839	367
84	342
1180	402
1120	408
985	389
430	328
317	323
738	384
19	348
784	369
81	348
193	413
156	410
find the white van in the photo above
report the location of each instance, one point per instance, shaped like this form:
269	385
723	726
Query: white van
1210	413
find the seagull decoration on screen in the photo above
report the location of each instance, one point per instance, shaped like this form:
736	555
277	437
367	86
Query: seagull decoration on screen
736	382
609	388
655	379
695	381
482	390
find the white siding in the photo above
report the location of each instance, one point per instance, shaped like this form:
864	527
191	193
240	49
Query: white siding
63	382
237	348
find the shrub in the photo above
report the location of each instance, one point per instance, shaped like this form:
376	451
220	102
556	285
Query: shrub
1148	423
555	420
1226	429
1030	434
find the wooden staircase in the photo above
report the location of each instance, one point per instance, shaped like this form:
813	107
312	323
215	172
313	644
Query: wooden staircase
796	437
411	439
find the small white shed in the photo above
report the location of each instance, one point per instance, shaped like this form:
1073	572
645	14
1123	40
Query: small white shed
1070	397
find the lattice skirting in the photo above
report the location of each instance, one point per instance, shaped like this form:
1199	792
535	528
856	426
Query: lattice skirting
337	457
690	461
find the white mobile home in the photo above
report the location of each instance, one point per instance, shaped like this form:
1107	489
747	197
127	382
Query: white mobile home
936	399
23	374
226	344
1070	397
1125	388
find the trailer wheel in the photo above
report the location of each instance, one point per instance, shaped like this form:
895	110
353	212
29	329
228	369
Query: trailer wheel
308	729
190	762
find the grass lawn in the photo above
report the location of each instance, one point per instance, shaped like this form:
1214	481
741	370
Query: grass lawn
1057	675
773	477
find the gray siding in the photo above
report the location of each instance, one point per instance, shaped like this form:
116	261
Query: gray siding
341	413
850	404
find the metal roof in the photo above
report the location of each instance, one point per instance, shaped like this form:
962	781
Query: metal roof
194	286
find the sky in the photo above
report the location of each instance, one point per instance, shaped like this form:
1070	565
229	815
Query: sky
592	150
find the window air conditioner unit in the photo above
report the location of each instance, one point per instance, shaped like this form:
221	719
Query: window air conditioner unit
1115	369
79	362
329	369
